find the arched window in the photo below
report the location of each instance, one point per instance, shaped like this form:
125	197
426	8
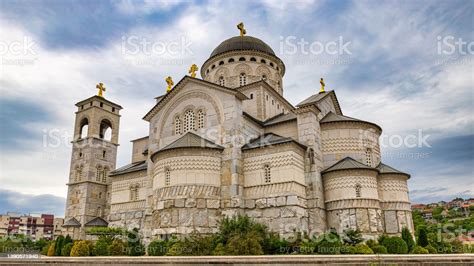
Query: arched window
251	95
242	59
267	173
368	156
84	128
177	125
264	77
200	119
99	211
358	190
105	172
253	59
167	177
98	173
221	63
271	64
105	130
221	81
263	61
188	121
243	79
231	60
213	66
78	175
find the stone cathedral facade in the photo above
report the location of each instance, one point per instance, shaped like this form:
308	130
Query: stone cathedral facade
230	143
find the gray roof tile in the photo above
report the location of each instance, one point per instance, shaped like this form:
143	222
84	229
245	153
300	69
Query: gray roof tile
268	140
129	168
97	221
73	222
385	169
347	164
332	117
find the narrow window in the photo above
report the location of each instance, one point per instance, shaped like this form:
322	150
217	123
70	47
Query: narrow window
213	66
242	59
167	177
103	154
231	60
271	64
263	61
177	126
221	63
357	190
368	156
113	109
98	173
100	195
243	79
251	95
264	77
105	172
221	81
134	192
253	59
78	173
267	173
267	97
200	119
101	104
188	121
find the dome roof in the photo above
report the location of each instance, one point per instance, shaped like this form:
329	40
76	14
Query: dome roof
242	43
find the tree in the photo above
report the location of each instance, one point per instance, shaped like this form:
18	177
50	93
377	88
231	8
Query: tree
51	250
408	238
422	237
58	246
419	250
157	248
362	249
134	245
101	247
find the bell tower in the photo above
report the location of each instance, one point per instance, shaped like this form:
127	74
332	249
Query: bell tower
94	153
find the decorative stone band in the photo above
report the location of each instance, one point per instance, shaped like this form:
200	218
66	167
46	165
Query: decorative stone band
187	191
132	205
275	189
352	203
396	205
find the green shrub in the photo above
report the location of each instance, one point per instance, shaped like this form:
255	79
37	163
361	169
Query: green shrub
248	244
307	247
329	243
51	249
408	238
362	249
381	238
101	247
80	249
352	237
419	250
348	249
371	243
157	248
116	248
431	249
45	250
134	244
66	250
379	249
219	250
395	245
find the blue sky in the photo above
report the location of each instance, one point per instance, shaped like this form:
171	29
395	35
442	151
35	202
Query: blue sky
395	72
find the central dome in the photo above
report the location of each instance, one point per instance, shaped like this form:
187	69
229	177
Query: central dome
243	43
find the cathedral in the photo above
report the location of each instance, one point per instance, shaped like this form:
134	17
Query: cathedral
229	143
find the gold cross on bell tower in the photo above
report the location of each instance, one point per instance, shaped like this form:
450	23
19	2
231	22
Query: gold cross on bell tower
169	81
241	28
101	88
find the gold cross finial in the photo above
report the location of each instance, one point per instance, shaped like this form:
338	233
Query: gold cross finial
192	70
169	81
101	89
322	86
241	28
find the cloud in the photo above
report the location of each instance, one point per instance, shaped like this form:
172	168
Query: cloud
394	76
12	201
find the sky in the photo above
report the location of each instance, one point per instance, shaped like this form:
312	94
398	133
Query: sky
406	65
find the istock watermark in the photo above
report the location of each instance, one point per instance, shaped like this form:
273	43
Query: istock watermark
19	52
291	45
136	45
450	45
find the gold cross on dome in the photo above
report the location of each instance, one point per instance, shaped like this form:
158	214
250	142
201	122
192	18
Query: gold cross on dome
322	86
241	28
101	88
192	70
